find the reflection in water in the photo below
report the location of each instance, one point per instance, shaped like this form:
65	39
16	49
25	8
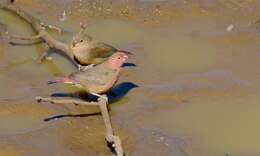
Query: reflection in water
69	115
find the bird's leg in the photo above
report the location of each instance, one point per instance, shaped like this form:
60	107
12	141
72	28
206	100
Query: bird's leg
100	96
83	68
87	67
79	67
112	139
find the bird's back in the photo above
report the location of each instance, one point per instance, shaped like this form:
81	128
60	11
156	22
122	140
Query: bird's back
102	50
98	79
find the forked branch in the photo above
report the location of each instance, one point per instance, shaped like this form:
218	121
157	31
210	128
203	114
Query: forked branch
39	27
102	104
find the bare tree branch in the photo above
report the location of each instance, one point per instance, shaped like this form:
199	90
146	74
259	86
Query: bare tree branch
102	104
39	27
35	37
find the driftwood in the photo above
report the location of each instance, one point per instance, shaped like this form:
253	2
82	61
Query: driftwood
102	104
41	34
40	29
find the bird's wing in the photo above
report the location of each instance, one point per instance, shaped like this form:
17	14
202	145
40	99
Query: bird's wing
93	77
103	50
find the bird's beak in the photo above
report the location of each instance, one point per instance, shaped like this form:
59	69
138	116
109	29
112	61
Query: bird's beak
126	57
75	42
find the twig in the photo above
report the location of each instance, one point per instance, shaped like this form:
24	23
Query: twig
51	27
35	37
83	26
102	104
38	26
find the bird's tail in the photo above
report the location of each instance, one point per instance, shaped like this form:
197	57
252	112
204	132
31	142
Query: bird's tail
61	80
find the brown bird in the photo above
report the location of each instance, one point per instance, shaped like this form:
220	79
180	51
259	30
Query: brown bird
98	79
87	50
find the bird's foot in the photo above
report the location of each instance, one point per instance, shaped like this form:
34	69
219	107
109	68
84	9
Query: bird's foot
101	96
104	97
83	68
88	67
79	67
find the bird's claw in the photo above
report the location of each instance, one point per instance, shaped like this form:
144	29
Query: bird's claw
83	68
104	97
79	67
100	96
88	67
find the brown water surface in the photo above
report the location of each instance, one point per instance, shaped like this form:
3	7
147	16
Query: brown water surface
196	68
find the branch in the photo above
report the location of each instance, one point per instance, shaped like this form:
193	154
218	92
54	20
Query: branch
35	37
112	139
38	26
67	101
51	27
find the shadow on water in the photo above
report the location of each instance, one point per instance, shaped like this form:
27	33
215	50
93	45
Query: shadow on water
119	91
116	94
69	115
129	65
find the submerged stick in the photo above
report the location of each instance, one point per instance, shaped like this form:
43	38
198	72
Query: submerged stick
102	104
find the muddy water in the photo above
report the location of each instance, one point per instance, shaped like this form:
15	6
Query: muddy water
196	68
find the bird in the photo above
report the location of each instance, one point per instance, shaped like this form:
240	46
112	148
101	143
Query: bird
99	79
87	50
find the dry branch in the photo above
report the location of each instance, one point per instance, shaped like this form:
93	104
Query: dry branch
41	33
102	104
40	29
35	37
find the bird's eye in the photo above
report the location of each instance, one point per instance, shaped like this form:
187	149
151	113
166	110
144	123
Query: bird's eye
81	40
119	58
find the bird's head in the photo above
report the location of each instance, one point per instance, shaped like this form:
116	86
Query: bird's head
80	40
118	59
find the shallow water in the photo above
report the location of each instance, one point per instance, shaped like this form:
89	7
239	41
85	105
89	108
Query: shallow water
198	82
20	118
